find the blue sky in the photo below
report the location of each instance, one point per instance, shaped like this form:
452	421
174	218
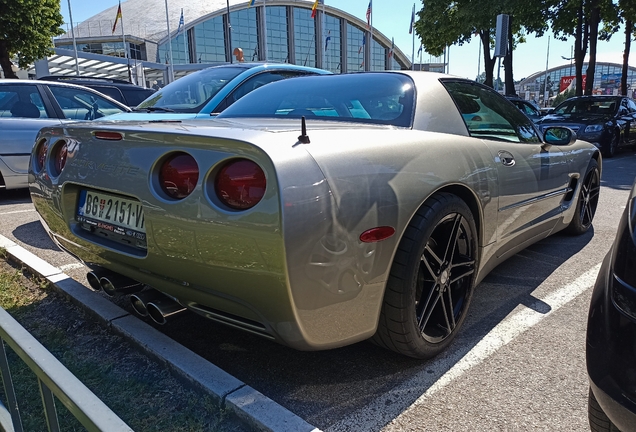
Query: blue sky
392	18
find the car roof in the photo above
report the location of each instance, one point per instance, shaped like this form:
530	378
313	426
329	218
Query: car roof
7	81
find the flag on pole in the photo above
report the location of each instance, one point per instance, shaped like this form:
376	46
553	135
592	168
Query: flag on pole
181	23
391	50
327	39
117	17
251	3
369	14
419	51
364	40
412	20
314	8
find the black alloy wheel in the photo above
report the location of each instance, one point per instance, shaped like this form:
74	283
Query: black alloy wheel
444	281
587	201
431	281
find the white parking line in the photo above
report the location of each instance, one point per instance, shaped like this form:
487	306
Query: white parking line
439	373
17	211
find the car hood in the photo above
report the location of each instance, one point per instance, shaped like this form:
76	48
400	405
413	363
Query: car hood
585	119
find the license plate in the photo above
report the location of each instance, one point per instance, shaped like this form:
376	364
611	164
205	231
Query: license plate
123	216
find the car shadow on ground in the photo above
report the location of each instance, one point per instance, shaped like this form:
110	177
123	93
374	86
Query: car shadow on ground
34	234
358	375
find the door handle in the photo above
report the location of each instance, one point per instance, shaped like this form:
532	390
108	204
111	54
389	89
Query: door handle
506	158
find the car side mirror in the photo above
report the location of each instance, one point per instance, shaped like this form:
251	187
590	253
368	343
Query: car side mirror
557	135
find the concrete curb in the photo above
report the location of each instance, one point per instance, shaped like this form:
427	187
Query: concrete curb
251	406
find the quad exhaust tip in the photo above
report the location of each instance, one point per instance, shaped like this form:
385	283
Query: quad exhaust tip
112	283
159	307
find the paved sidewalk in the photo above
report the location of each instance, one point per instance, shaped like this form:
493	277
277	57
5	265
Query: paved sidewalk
252	407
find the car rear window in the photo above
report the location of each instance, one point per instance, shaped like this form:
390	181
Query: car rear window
379	98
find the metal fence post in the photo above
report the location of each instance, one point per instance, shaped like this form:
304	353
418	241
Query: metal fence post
9	390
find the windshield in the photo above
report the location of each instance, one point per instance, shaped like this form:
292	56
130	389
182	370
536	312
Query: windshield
190	93
596	105
380	98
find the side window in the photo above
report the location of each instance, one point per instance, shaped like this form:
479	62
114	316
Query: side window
78	104
257	81
23	101
488	115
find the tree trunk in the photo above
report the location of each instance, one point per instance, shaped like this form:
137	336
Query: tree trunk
628	41
595	18
489	62
580	48
508	76
5	61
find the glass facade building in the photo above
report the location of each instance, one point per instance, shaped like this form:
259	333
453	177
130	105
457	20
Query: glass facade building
607	77
283	33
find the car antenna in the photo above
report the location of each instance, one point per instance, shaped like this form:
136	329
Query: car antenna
303	138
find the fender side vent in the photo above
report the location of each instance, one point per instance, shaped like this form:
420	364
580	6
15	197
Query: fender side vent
571	189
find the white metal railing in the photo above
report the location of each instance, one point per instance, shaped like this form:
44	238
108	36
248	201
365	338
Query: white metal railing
54	380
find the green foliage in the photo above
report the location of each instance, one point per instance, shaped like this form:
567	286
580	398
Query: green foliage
27	28
564	96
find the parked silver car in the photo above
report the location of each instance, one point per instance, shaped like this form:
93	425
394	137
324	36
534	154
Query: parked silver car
27	106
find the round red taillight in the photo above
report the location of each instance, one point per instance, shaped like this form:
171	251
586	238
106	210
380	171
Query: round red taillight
40	154
240	184
179	175
59	157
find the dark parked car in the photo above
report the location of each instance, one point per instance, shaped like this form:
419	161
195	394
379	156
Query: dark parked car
526	107
608	122
26	106
122	91
611	333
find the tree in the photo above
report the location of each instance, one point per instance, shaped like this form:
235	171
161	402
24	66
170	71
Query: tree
27	28
448	22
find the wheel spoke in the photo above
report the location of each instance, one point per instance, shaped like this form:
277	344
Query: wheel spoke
463	275
451	310
428	267
427	309
433	254
452	240
445	310
594	192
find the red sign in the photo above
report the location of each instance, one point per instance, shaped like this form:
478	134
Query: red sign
567	80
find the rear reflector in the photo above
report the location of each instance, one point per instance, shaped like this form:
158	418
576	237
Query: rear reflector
377	234
179	175
111	136
240	184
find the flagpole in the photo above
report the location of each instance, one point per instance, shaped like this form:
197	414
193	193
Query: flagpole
70	15
368	67
170	66
413	31
265	31
323	24
185	46
123	36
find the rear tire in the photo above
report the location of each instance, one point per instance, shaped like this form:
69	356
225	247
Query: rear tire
431	281
587	200
599	422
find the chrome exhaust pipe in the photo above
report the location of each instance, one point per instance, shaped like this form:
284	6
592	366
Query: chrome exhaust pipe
93	279
139	300
163	308
114	284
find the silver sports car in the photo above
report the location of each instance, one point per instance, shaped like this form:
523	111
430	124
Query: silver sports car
316	211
